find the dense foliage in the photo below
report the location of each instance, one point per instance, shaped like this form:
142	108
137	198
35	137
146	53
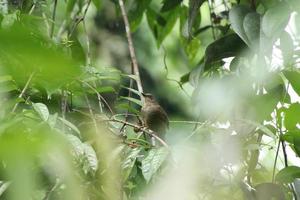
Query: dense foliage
226	71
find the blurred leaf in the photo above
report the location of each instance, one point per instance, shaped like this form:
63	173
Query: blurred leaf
192	47
269	191
70	6
154	20
194	6
288	174
236	17
23	52
136	13
286	47
292	116
251	25
152	162
42	110
126	106
170	4
97	3
227	46
132	90
4	186
136	101
275	20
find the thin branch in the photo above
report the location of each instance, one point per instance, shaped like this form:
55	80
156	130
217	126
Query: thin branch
91	112
53	18
98	95
24	90
80	19
147	131
275	162
131	48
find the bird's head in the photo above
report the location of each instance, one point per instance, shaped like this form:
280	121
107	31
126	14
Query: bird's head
149	98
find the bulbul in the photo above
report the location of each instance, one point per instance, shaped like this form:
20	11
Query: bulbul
154	116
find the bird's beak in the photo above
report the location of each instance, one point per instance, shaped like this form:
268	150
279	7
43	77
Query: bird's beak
143	94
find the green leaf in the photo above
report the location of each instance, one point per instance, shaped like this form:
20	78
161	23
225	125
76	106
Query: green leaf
194	6
275	20
42	110
129	161
293	77
192	47
170	4
251	25
70	6
292	116
288	174
162	24
97	3
153	161
136	13
236	18
136	101
227	46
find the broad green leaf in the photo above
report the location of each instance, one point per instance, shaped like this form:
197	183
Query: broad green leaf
192	47
288	174
136	101
236	18
227	46
152	162
275	20
251	25
293	77
42	110
292	116
170	4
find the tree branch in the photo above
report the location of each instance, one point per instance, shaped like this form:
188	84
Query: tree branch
131	48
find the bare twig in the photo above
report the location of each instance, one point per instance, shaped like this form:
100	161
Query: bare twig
131	48
23	90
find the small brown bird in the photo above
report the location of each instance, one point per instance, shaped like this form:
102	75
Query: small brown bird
154	116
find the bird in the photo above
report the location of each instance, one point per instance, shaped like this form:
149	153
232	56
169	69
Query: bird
154	116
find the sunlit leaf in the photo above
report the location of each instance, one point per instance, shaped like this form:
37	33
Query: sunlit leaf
275	20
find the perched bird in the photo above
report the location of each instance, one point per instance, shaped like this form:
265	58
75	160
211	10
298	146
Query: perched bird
154	116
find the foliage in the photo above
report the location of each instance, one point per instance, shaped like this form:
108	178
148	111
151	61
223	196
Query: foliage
68	122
